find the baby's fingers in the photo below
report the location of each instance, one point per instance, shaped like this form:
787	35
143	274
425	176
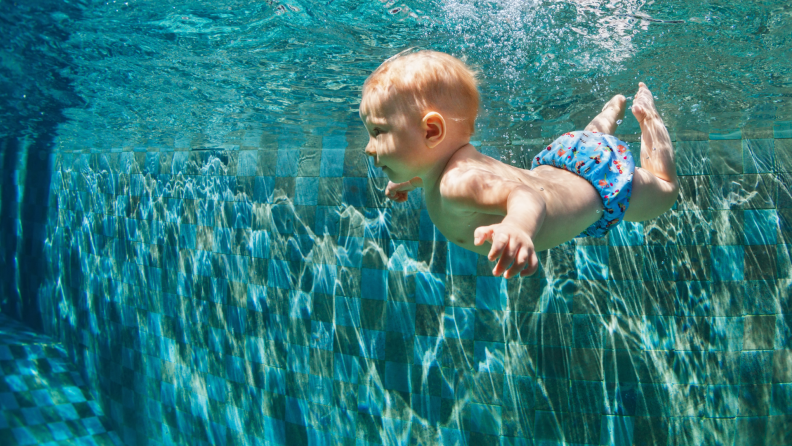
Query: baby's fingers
532	265
507	256
500	245
481	234
519	263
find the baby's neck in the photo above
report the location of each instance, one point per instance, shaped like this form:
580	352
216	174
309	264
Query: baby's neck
448	150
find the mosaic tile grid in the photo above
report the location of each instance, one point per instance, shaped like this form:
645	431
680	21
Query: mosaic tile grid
43	399
270	295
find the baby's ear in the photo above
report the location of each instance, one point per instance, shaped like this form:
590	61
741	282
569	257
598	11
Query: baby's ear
434	126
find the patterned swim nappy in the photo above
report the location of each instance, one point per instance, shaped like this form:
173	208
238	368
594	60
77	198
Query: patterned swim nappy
603	160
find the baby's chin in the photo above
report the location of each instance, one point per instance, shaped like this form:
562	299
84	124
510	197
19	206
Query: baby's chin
396	178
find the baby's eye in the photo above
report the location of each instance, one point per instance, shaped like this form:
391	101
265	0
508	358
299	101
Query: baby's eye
376	132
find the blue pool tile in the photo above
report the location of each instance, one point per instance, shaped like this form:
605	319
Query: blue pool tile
372	344
371	400
402	255
218	337
248	163
350	251
322	334
5	355
68	412
259	244
728	263
627	233
375	282
659	332
15	383
430	288
306	191
93	426
8	401
783	332
215	388
485	418
491	293
428	350
320	390
733	134
257	298
345	425
347	311
217	433
199	406
592	262
32	416
288	162
726	334
60	431
761	227
263	189
452	436
426	407
354	192
283	216
782	129
400	317
346	368
73	394
324	278
300	304
758	156
236	319
23	436
273	379
235	418
397	376
459	322
489	356
332	164
334	142
279	274
328	220
377	223
461	262
427	231
298	359
782	399
616	431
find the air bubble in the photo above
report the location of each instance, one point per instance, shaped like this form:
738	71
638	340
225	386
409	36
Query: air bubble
618	122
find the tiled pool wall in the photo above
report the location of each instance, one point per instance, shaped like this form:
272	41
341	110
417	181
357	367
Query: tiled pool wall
267	293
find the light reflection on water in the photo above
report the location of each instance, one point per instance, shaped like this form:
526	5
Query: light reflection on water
487	353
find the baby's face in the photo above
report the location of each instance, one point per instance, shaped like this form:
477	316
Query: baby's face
396	141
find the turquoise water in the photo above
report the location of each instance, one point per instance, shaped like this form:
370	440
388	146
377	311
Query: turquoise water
187	209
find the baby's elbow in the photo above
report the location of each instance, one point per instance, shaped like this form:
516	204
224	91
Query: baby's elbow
671	193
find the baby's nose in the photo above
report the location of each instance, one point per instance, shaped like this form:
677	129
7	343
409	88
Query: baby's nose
370	150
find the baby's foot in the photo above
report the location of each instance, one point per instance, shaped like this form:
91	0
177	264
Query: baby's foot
643	106
611	115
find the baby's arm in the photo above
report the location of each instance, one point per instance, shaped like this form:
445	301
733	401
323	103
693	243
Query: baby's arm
398	191
524	210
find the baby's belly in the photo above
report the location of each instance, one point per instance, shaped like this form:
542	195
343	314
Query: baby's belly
573	205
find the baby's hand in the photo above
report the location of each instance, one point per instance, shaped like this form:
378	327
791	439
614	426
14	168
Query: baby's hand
512	245
398	191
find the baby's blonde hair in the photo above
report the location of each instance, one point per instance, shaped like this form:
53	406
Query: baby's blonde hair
426	81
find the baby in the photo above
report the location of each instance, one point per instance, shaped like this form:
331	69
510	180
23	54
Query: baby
419	110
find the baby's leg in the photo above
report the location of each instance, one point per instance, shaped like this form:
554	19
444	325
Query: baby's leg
609	118
655	186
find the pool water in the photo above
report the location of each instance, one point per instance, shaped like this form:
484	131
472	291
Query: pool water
187	209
